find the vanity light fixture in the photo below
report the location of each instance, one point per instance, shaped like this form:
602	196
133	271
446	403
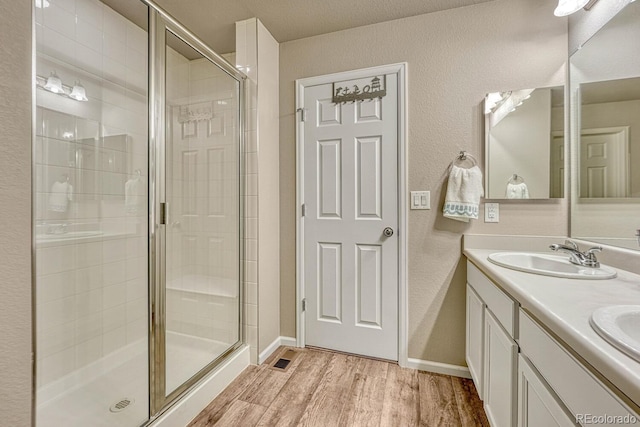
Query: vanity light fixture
567	7
78	93
41	4
54	84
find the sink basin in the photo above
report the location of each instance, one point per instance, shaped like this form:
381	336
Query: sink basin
67	236
620	325
549	265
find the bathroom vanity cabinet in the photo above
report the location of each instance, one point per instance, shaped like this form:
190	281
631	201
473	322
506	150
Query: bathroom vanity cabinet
524	375
491	347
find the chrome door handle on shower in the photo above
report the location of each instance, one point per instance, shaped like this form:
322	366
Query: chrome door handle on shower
388	232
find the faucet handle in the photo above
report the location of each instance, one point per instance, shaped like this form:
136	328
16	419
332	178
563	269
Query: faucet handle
590	255
593	250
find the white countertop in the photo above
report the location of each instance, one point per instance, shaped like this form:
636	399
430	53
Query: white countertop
564	307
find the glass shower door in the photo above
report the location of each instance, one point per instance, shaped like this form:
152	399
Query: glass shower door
200	276
90	214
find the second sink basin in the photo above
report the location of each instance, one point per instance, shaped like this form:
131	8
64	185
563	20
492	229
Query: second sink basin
549	265
620	325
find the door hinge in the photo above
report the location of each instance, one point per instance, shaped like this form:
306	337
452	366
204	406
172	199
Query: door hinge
304	304
304	209
162	214
303	114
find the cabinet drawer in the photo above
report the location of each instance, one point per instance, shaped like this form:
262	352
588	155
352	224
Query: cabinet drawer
580	391
502	307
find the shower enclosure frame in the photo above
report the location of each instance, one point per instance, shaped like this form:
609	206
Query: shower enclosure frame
159	21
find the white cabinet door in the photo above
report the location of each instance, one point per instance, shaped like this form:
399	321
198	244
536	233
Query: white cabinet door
500	359
475	337
537	404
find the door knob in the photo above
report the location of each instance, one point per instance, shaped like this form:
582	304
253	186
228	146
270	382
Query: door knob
388	232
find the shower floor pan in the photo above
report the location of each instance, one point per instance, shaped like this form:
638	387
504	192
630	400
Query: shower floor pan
91	403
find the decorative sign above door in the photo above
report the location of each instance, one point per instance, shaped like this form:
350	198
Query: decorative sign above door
359	89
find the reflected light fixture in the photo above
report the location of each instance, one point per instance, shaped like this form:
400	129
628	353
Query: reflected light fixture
41	4
567	7
54	84
78	93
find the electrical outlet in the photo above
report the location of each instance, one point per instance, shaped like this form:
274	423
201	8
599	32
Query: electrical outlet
492	212
420	200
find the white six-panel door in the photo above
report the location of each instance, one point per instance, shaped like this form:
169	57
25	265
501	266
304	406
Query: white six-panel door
604	162
350	183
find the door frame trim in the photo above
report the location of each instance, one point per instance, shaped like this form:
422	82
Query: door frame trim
403	226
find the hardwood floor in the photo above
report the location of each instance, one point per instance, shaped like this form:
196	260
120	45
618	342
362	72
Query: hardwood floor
322	388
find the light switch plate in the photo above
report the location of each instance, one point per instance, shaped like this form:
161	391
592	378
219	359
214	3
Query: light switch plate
420	200
492	212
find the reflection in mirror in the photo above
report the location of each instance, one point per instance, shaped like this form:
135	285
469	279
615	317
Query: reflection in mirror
605	133
524	144
610	139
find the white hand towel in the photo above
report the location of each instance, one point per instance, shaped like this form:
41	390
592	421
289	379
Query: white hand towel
61	195
132	194
463	193
517	191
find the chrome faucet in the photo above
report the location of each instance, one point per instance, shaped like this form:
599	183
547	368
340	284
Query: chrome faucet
585	259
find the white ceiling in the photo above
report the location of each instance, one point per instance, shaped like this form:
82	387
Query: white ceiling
213	21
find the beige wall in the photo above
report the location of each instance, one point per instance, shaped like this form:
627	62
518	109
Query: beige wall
455	57
15	211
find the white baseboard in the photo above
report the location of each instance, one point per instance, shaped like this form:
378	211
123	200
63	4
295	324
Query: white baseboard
287	341
438	368
188	407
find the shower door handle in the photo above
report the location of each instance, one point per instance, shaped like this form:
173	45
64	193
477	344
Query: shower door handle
162	214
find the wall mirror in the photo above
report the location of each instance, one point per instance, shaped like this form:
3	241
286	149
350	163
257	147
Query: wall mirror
524	144
605	133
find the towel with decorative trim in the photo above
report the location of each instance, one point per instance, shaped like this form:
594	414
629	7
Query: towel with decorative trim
517	191
464	191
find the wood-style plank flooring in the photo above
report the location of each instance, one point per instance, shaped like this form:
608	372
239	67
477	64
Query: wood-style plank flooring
322	388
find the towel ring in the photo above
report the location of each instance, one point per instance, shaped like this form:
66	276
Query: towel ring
516	179
464	156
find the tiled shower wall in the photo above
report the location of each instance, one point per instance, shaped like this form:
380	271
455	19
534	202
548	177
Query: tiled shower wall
247	61
91	290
